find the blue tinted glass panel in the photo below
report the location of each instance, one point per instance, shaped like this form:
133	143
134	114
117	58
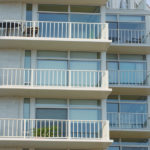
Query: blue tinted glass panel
83	55
26	108
134	148
29	12
133	108
51	102
113	72
111	18
27	61
112	107
53	29
132	73
85	114
113	148
52	73
85	18
52	54
134	142
86	77
132	26
53	17
85	65
52	64
84	103
131	18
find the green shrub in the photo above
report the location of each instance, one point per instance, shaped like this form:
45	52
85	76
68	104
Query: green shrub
46	132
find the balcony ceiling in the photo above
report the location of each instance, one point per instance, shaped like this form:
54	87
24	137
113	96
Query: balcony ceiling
55	143
72	2
129	48
130	133
54	44
57	92
131	90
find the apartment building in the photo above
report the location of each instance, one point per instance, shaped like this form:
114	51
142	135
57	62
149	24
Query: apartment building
74	75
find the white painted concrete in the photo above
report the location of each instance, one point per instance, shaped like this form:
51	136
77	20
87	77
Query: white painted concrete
10	11
11	58
10	107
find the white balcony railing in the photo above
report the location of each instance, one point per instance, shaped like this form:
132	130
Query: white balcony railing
55	30
126	120
128	77
125	36
53	77
54	129
126	4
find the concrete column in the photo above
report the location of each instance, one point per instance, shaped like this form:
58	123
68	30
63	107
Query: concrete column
148	82
34	12
21	103
23	11
33	59
148	69
149	142
104	109
148	100
103	61
147	36
32	108
103	14
103	105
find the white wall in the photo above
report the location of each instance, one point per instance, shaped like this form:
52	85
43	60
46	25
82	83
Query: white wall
11	58
11	107
11	11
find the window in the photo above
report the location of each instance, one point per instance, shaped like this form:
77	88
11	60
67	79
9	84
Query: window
127	69
55	14
26	108
127	111
29	12
85	110
27	61
27	66
76	110
130	144
126	29
58	64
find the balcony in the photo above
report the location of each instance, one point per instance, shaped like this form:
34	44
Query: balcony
129	41
54	83
129	82
124	5
54	133
128	124
54	35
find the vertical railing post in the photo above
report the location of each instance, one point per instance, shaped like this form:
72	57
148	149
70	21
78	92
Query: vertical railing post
32	77
69	78
33	23
69	30
69	129
24	128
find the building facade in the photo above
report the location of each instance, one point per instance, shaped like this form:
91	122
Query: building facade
74	75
